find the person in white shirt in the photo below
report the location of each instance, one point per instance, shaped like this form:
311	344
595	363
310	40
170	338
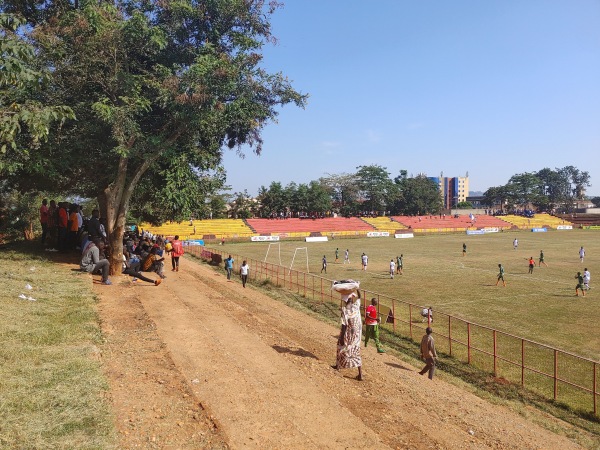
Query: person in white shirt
392	268
586	278
365	260
581	254
244	269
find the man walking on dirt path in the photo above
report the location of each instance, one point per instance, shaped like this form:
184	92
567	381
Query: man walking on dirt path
176	253
229	266
428	353
244	273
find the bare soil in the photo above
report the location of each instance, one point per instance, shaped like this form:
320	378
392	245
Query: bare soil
200	362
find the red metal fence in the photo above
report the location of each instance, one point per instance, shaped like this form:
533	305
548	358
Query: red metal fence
555	374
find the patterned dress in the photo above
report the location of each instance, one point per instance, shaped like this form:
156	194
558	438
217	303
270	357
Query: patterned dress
348	354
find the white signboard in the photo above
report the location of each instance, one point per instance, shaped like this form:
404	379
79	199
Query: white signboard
264	238
378	234
316	239
403	235
564	227
491	230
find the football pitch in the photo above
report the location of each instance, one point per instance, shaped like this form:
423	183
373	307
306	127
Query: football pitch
541	306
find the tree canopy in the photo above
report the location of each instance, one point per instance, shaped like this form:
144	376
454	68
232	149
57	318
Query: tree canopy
546	189
158	89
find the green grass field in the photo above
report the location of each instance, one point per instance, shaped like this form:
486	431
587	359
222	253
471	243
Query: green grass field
540	307
52	386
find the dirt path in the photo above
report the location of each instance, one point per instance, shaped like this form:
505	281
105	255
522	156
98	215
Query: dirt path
217	365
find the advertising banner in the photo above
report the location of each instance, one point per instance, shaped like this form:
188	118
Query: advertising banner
378	234
264	238
470	232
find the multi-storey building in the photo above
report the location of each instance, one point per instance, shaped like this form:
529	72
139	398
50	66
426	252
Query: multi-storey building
452	189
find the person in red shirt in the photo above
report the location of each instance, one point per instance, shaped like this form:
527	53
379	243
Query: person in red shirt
176	252
531	264
44	219
63	220
372	321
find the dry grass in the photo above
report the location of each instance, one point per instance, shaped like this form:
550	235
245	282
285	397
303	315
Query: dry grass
50	377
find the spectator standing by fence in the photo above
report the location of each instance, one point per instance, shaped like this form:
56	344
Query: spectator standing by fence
372	326
428	353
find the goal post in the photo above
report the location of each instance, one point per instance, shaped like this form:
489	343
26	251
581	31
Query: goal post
300	249
278	245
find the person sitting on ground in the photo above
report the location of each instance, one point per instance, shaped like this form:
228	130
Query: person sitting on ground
158	264
91	262
131	267
151	261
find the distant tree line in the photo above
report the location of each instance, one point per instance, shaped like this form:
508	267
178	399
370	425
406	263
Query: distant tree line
370	190
546	190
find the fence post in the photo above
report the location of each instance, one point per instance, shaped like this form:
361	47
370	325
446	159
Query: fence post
450	335
277	276
523	362
469	342
594	387
321	290
410	320
555	374
495	357
304	284
394	314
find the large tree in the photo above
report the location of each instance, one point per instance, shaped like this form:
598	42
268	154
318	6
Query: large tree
376	187
174	80
418	195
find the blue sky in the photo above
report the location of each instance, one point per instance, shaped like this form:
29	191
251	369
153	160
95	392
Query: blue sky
492	88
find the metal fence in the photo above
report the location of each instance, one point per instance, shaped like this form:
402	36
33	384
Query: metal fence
553	373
